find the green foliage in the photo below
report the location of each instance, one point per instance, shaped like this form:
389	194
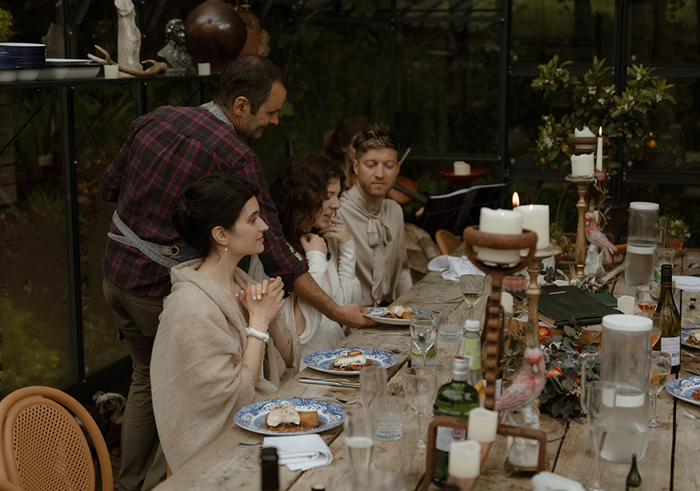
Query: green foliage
6	23
677	228
593	102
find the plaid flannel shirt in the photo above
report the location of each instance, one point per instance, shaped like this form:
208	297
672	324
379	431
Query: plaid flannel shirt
167	150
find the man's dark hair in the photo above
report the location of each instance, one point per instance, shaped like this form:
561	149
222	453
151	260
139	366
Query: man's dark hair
377	136
250	76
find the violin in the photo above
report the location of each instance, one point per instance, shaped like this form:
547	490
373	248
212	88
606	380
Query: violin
401	198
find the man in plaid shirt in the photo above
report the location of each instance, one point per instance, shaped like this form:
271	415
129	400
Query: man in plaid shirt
167	150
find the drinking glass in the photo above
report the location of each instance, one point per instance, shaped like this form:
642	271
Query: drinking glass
646	298
375	480
424	332
656	325
599	403
472	286
359	438
419	386
452	328
663	255
660	370
373	392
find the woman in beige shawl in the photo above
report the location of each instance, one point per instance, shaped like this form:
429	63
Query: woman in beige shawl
220	344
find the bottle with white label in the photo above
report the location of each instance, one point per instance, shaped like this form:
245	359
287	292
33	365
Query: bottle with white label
455	398
671	322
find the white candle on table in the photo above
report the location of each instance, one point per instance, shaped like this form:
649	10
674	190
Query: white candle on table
626	304
462	168
582	165
464	461
203	69
536	218
111	71
503	222
584	133
483	424
599	157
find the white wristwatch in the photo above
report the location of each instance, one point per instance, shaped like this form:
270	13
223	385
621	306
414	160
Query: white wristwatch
249	331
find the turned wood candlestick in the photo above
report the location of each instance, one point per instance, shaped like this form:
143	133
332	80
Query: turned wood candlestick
582	184
533	292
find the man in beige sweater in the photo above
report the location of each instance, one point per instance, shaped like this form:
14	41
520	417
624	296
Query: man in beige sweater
376	223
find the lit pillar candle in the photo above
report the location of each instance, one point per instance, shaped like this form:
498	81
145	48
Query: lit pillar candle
502	222
464	461
462	168
483	424
582	165
536	218
599	157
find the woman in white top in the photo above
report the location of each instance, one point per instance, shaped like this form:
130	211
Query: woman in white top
306	193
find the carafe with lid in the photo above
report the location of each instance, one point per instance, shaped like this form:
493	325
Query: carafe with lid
642	233
625	360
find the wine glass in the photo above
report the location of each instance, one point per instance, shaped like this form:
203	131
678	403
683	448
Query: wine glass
660	370
424	332
419	386
646	298
373	392
472	286
359	438
663	255
599	403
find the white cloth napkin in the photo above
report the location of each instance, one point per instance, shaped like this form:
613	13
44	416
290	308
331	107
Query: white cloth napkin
453	267
687	283
300	452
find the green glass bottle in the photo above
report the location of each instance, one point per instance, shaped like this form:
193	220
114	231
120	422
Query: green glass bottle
456	398
634	479
670	341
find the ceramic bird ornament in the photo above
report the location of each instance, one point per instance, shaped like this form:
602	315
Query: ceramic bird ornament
597	237
527	385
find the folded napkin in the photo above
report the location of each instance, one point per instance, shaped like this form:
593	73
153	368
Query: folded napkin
300	452
687	283
453	267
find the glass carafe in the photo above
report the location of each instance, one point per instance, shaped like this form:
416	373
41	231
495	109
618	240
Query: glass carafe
624	354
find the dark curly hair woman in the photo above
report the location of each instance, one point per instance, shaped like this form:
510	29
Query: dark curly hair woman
306	193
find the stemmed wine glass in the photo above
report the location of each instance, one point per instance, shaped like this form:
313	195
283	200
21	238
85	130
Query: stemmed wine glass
472	286
424	332
660	370
599	403
647	298
373	392
419	386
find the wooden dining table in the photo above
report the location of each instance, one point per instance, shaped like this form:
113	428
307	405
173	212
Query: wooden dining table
670	463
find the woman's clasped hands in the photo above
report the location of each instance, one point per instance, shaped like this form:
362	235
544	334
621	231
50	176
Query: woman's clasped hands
263	301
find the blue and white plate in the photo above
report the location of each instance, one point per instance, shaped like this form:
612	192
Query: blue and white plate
321	360
685	334
376	315
683	388
251	417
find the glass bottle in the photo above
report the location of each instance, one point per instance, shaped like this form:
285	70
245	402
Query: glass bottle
634	479
455	398
270	470
670	341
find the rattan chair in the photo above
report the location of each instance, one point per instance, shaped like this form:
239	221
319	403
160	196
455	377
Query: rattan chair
446	241
43	447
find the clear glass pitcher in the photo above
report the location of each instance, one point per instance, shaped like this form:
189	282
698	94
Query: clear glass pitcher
625	360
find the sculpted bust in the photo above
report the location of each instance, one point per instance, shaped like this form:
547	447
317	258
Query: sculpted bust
174	52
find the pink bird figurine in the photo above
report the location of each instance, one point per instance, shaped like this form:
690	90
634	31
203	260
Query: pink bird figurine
527	385
598	238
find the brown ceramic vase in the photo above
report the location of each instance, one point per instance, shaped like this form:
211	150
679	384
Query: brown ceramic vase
215	34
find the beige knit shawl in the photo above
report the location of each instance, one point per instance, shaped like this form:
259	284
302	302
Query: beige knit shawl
198	379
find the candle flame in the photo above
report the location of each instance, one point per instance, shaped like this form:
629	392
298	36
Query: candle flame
516	199
600	131
532	207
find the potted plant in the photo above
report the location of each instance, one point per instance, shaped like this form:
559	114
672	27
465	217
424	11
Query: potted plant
677	232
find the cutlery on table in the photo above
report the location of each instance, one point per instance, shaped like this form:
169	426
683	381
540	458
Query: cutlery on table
340	401
387	333
334	383
243	444
690	415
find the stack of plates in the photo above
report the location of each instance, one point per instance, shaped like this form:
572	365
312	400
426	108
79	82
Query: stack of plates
8	66
29	57
61	68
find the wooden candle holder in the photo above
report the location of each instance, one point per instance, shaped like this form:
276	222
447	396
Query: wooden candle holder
494	324
582	184
575	144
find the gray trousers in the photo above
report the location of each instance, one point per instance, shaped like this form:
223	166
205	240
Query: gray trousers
143	465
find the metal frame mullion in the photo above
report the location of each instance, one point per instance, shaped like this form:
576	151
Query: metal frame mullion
314	88
70	197
370	83
392	67
503	89
621	55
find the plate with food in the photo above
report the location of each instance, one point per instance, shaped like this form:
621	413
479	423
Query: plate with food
690	338
348	361
281	417
687	389
398	315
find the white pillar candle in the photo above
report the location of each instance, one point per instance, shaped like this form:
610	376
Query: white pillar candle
483	424
599	157
464	461
503	222
204	69
536	218
507	302
582	165
626	304
462	168
111	71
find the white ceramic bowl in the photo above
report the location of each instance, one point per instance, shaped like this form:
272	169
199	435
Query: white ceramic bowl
53	73
8	75
27	75
82	72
